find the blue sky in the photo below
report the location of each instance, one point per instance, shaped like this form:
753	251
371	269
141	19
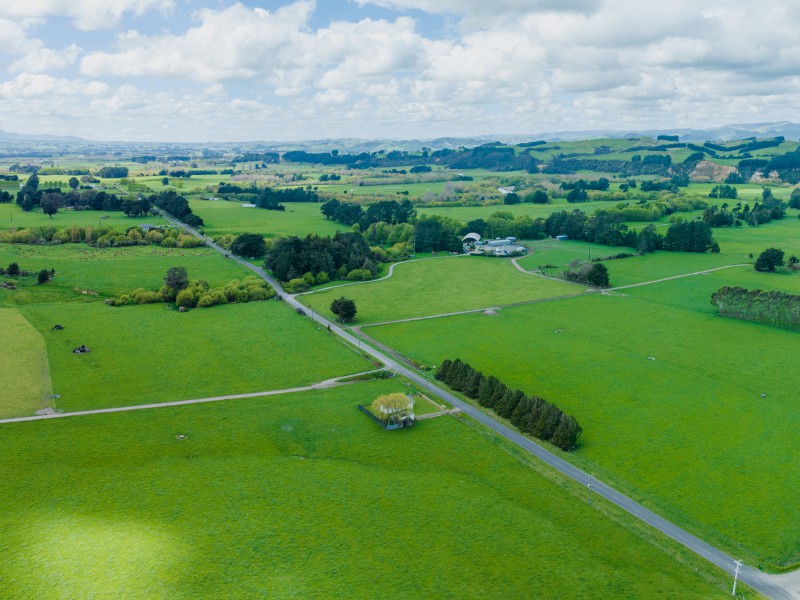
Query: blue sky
174	70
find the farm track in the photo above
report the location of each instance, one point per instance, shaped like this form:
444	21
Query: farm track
384	278
778	587
322	385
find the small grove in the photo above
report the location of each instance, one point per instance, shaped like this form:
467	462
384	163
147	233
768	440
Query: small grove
762	306
198	293
530	414
101	237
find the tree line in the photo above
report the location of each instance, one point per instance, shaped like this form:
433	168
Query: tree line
178	206
386	211
770	307
530	414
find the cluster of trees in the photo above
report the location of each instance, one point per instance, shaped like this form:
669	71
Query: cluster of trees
594	274
259	157
51	200
101	237
112	172
197	294
607	227
770	307
530	414
690	236
724	191
593	184
322	259
503	224
268	198
386	211
330	177
178	206
770	209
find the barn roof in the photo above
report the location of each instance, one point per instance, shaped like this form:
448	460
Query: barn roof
472	236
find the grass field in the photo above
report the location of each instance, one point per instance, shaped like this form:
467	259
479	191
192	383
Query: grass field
687	432
23	361
12	216
535	211
143	354
302	496
108	271
443	285
299	219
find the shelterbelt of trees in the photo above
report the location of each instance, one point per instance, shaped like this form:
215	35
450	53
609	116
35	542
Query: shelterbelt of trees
762	306
530	414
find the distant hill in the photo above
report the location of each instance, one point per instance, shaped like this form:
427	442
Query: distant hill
724	133
27	137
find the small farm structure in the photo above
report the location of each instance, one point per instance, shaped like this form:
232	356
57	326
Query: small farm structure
391	411
473	244
562	238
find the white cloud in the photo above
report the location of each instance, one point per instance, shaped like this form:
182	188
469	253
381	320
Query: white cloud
86	14
507	65
484	8
235	43
41	60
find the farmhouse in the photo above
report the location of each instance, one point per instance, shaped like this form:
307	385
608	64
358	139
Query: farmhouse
473	244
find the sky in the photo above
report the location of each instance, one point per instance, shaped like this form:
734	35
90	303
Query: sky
214	70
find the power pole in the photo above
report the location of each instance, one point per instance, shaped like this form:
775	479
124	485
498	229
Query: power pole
736	576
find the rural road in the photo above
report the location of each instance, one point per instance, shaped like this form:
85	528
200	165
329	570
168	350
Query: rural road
778	587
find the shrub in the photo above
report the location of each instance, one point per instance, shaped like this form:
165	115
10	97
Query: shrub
360	275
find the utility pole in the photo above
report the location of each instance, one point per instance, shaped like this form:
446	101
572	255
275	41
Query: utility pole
590	489
736	576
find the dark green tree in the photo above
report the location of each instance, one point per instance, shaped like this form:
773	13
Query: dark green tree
249	244
344	309
51	203
769	260
73	183
43	276
177	278
13	270
598	275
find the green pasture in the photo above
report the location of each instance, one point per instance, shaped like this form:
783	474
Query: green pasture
783	234
302	496
153	353
12	216
694	293
392	191
625	271
688	432
107	271
299	218
534	211
442	285
23	363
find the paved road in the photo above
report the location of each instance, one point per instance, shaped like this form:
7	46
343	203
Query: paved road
770	585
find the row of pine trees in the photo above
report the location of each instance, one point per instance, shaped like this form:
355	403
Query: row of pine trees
530	414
